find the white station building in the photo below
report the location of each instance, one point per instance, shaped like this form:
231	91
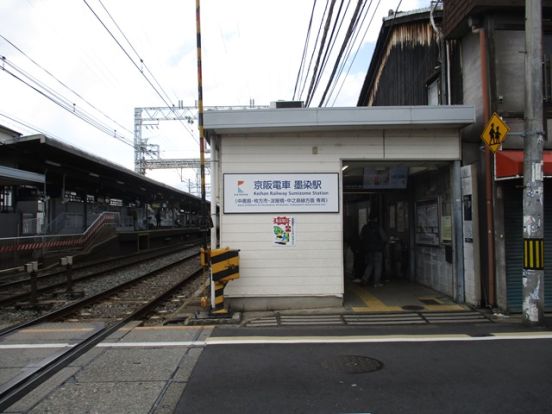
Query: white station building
291	189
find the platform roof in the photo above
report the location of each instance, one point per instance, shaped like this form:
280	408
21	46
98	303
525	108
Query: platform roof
14	176
84	172
331	119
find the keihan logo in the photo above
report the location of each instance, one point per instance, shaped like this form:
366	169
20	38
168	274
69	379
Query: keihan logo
240	188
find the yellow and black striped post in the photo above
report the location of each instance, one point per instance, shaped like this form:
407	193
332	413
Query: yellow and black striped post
225	266
533	254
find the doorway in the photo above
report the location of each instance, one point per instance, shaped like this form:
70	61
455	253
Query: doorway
410	204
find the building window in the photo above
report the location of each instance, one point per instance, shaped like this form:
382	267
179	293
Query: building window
6	198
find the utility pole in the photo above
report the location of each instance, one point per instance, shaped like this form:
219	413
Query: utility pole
204	212
533	217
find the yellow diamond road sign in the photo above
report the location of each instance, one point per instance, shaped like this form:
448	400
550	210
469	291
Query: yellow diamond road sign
495	132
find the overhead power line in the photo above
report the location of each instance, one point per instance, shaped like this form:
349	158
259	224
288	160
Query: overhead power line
320	52
64	85
315	46
29	126
350	30
304	55
346	59
59	100
158	90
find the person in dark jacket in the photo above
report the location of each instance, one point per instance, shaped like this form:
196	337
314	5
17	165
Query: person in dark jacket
373	240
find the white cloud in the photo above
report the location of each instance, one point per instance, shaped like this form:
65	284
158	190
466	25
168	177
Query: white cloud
251	50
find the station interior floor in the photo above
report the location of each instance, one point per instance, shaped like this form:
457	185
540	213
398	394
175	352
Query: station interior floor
397	295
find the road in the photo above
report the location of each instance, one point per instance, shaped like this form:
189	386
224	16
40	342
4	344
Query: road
462	369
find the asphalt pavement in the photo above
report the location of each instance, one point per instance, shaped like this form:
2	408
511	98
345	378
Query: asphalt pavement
492	368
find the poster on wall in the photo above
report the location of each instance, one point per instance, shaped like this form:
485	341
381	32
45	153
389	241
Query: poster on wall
427	222
283	231
281	193
446	229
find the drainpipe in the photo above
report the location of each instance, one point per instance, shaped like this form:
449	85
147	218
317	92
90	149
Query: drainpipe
491	294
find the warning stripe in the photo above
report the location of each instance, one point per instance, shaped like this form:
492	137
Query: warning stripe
232	270
219	296
217	258
533	254
81	240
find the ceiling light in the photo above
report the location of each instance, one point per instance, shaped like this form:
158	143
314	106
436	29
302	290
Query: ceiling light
344	167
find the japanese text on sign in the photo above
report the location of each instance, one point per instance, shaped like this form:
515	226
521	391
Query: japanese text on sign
304	192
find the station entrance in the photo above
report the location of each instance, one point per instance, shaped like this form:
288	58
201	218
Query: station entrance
397	225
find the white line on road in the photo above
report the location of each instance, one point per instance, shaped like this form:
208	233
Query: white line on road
257	340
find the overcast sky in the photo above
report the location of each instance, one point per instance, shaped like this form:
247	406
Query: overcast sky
251	51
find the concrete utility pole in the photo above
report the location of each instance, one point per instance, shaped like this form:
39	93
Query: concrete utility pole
533	217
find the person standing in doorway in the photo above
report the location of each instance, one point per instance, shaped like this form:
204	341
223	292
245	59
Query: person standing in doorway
373	238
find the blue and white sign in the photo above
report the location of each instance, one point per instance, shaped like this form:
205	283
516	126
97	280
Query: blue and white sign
281	193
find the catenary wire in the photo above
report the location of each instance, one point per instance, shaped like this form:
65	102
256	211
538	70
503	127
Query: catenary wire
66	105
29	126
63	84
169	105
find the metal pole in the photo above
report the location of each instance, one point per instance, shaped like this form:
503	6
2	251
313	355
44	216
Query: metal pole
204	211
488	177
204	220
533	223
458	231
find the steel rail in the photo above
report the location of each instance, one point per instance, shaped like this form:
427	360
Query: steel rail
73	306
20	386
85	265
135	260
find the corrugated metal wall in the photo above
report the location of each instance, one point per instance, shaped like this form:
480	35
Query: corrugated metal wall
513	238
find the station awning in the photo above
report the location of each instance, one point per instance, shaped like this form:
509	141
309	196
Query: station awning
14	176
509	164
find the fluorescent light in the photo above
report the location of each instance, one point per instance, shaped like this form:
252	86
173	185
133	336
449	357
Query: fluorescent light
344	167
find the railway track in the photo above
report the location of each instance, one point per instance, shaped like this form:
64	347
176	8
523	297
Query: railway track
17	286
115	307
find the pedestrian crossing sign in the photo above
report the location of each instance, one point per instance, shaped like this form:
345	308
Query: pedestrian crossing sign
495	132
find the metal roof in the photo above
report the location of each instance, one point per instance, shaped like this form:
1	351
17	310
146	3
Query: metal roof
321	119
4	130
40	153
14	176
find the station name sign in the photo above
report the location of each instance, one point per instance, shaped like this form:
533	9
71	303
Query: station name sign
281	193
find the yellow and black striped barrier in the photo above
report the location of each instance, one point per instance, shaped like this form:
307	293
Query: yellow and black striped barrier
533	254
225	266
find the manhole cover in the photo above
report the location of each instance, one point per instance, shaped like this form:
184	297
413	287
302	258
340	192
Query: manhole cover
413	307
353	364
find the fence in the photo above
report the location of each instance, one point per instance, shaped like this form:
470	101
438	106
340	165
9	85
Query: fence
15	248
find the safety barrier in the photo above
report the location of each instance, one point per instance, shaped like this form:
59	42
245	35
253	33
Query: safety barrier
225	266
101	229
